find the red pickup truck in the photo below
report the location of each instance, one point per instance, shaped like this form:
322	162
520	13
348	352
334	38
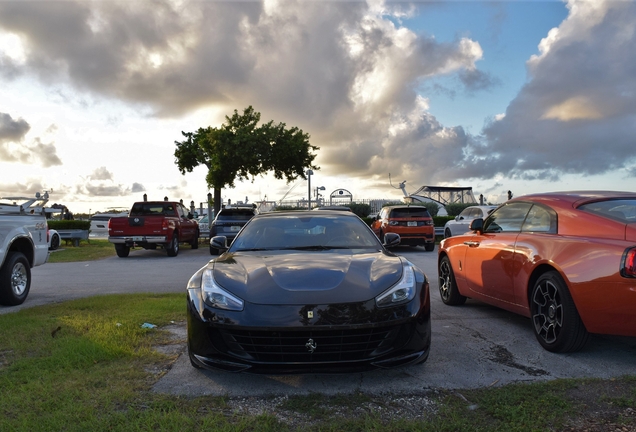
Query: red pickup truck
154	223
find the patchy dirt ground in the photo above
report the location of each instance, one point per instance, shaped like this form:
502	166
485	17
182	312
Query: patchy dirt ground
604	405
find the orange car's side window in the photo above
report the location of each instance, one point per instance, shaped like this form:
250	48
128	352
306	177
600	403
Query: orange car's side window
541	220
507	218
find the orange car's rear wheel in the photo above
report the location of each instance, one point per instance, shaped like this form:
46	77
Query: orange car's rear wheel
555	320
447	286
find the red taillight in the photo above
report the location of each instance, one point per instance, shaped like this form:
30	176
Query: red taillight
628	269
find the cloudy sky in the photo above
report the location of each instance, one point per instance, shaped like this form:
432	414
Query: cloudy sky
502	95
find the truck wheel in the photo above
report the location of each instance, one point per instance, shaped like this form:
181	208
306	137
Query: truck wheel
429	247
173	247
122	250
15	279
195	241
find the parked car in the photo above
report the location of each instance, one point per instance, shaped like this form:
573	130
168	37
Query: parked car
462	221
204	225
566	260
413	223
229	222
23	244
307	292
99	222
152	224
54	239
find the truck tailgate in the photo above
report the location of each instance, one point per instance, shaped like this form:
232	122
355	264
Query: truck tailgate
137	225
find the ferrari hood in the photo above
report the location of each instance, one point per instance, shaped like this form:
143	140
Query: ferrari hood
307	277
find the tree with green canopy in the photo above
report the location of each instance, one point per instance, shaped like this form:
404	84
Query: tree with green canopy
241	149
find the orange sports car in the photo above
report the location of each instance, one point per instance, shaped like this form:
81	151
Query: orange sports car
566	260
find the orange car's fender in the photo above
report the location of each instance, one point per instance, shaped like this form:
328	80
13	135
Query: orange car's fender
589	267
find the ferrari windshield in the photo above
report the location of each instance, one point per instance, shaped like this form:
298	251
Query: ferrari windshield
303	232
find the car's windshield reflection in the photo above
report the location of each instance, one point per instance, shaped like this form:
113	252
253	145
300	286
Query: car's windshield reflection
313	233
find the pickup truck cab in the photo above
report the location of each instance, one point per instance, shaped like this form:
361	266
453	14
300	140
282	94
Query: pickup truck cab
152	224
23	245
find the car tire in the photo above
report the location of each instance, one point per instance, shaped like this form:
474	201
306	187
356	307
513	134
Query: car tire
381	236
122	250
448	290
15	279
429	247
447	233
556	323
55	242
195	241
173	247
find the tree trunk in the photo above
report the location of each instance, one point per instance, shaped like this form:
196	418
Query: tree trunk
217	201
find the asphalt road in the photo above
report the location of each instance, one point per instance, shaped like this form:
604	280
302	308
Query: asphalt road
473	345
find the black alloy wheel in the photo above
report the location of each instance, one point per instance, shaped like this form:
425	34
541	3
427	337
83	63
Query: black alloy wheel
448	290
555	320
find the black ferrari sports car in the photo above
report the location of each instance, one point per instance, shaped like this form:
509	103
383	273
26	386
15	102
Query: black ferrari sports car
307	292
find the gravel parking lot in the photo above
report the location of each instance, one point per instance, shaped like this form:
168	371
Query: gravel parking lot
473	345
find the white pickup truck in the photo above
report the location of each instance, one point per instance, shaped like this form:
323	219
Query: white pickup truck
23	245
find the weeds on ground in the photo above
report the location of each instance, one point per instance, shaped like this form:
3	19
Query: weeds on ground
89	365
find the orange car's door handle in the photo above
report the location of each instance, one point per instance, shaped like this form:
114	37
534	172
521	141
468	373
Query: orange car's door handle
471	243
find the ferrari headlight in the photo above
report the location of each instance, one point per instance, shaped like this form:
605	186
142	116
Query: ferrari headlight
213	295
402	292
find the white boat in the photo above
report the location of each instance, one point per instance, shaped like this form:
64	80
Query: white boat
99	222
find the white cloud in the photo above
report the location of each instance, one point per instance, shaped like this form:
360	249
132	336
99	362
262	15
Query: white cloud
577	112
12	130
348	73
345	72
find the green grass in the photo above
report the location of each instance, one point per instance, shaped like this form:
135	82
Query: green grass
85	365
92	250
88	365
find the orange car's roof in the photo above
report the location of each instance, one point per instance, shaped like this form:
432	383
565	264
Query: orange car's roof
575	198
